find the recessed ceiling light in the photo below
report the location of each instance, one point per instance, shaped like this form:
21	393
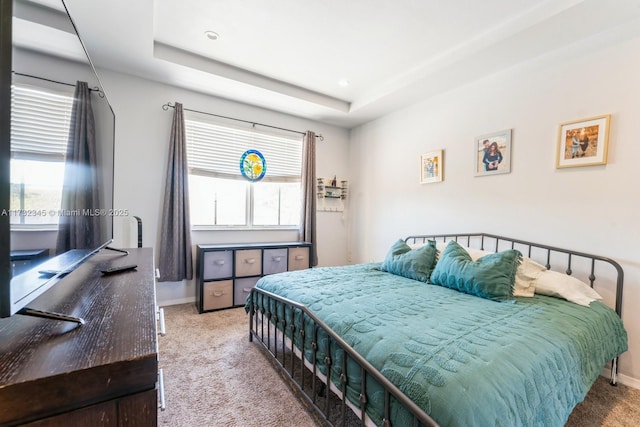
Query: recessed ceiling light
344	82
212	35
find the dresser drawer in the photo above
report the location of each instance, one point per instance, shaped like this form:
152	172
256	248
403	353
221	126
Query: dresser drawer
248	262
217	265
298	258
217	295
242	288
274	261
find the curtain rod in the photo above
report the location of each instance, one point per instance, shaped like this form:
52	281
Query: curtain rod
168	105
97	89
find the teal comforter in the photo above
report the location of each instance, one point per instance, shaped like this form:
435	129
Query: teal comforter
465	360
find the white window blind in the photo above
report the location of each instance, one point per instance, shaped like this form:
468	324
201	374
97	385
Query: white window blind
40	120
215	150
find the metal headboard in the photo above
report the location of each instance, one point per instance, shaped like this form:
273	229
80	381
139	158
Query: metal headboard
491	242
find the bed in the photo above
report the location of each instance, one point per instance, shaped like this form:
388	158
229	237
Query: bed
396	348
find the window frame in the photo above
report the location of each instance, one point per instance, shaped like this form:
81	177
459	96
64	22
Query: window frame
249	214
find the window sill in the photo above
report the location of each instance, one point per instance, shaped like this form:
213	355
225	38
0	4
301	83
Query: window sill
243	228
30	228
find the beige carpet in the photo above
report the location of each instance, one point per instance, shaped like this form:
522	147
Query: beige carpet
215	377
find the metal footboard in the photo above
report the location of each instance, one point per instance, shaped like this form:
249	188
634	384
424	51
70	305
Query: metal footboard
270	328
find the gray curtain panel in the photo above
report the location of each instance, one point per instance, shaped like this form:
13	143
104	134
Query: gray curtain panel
307	231
175	260
80	187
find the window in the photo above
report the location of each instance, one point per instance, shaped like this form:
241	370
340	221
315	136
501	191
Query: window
220	196
40	120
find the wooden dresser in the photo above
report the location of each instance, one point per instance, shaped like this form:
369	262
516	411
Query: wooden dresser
103	373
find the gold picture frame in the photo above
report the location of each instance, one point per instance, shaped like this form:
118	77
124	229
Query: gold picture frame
431	167
583	142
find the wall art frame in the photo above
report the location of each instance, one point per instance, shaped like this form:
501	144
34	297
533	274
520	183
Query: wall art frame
431	167
492	153
583	142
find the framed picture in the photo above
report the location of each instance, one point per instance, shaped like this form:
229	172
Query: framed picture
583	142
492	153
431	166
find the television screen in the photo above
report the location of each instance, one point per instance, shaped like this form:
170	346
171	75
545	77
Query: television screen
57	197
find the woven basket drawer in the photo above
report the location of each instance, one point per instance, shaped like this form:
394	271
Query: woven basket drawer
242	288
217	295
248	262
217	265
274	261
298	258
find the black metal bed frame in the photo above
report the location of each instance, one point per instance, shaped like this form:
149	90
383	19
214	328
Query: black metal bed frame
284	352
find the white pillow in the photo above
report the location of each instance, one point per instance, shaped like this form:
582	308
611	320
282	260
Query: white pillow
560	285
473	253
526	273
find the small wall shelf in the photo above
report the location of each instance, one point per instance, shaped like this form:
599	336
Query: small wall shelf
331	196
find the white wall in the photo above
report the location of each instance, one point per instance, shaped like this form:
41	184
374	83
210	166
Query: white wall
592	209
142	144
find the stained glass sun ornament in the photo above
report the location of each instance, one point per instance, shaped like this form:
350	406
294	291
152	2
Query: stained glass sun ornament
253	166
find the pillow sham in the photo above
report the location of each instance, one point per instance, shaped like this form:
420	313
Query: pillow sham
415	264
473	252
526	273
560	285
491	276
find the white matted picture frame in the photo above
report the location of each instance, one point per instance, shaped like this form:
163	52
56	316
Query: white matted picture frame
431	167
492	153
583	142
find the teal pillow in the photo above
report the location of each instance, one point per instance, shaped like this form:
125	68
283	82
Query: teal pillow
492	276
415	264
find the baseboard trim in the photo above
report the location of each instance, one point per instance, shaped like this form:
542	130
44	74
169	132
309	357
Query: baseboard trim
629	381
176	301
622	379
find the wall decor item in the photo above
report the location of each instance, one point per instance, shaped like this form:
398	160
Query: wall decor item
332	195
253	166
583	142
492	153
431	167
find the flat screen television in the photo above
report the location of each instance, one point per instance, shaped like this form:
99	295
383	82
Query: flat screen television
41	52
